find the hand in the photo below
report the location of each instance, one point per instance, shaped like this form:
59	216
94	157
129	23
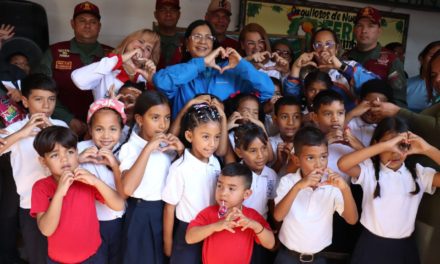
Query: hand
89	155
399	144
384	109
148	70
284	151
312	179
233	59
334	180
258	59
159	142
14	94
228	222
36	120
281	64
66	179
201	99
351	140
106	157
84	176
232	121
360	109
335	136
131	55
173	143
304	60
6	32
328	61
78	127
210	59
417	144
245	222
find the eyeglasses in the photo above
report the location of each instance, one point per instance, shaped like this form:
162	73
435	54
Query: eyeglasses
321	46
199	38
284	53
253	43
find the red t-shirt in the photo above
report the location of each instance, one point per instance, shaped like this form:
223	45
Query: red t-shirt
77	236
226	247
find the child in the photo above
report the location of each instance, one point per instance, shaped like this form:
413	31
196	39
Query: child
229	229
39	97
105	118
361	120
287	116
329	115
307	199
268	108
392	192
251	145
191	181
64	203
145	160
315	82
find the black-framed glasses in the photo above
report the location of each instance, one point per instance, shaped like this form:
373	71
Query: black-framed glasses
322	45
200	37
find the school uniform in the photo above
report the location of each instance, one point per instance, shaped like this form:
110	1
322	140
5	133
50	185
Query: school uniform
335	152
389	219
271	128
362	130
143	228
110	221
190	187
23	152
274	141
307	227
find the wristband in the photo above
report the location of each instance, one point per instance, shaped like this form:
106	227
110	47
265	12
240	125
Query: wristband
343	67
262	229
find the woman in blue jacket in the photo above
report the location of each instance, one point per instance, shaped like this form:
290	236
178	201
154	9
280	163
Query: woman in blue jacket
207	68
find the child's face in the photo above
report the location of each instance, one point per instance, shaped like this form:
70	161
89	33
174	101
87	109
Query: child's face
155	121
231	191
255	156
313	89
277	90
40	101
60	159
204	139
368	116
105	129
248	108
21	62
288	119
392	158
330	116
311	158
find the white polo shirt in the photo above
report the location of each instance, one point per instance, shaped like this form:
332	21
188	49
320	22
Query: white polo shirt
393	214
101	171
191	185
263	190
307	227
156	170
26	168
335	152
362	130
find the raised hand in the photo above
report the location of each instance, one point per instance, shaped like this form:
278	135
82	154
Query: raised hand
312	179
281	64
89	155
232	121
328	61
305	59
417	145
172	143
334	179
147	71
106	157
84	176
228	223
14	94
6	32
36	120
233	59
210	59
64	183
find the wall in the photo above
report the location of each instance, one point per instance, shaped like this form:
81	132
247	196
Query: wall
122	17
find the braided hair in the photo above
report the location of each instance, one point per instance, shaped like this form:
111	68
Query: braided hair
390	125
197	114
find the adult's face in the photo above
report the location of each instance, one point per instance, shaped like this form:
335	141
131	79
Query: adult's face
167	16
253	43
324	42
86	28
366	33
435	74
284	51
200	42
219	20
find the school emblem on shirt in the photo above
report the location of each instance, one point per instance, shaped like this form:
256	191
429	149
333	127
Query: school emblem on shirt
383	59
63	65
64	53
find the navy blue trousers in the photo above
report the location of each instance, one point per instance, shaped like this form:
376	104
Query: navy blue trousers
35	244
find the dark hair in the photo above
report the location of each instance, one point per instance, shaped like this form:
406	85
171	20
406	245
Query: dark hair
387	125
308	136
186	55
233	103
37	81
285	42
429	83
277	82
317	76
376	86
335	37
47	138
144	102
245	133
285	100
238	170
197	114
18	53
393	45
425	52
326	97
254	27
129	84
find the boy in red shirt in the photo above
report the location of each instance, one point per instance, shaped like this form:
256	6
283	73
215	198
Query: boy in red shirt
229	228
64	203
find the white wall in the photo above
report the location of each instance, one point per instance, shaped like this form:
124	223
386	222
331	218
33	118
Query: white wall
122	17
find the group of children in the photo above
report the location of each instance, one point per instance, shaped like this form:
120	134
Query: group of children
215	185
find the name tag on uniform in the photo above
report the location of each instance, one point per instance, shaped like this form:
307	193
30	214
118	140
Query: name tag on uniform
63	65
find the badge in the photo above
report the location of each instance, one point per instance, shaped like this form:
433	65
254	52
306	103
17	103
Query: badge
63	65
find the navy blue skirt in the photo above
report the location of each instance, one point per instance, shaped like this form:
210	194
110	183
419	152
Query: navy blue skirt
182	252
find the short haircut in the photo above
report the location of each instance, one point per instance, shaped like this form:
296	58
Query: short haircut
326	97
47	138
286	100
308	136
377	86
38	81
238	170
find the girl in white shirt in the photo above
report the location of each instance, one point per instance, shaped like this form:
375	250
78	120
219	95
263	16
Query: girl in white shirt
105	118
145	160
134	60
392	192
191	181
